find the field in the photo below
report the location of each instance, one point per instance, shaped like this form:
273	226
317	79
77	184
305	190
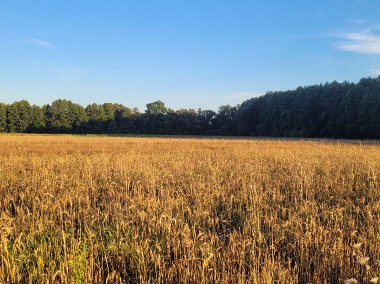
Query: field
160	210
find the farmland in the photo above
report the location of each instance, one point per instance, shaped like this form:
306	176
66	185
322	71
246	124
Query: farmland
79	209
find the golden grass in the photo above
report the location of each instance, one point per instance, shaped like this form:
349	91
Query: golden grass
145	210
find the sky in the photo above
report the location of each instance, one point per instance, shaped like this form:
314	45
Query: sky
186	53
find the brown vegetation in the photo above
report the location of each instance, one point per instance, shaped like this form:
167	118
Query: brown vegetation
139	210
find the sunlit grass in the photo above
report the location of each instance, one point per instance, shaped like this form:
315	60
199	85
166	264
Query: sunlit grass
139	210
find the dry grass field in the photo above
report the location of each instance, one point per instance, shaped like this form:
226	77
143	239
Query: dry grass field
158	210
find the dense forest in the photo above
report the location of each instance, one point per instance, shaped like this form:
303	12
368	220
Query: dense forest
331	110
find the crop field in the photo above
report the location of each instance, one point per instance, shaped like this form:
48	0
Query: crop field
79	209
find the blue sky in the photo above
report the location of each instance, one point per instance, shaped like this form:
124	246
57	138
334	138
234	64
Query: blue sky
187	53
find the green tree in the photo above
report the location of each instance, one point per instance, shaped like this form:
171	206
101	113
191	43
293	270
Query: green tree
79	117
3	117
65	116
350	109
96	118
156	118
207	122
59	116
156	108
109	111
38	120
183	121
19	116
369	109
332	108
248	116
225	120
124	119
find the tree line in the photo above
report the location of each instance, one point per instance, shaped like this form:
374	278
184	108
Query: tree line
331	110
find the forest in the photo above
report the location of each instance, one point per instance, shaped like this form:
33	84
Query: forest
331	110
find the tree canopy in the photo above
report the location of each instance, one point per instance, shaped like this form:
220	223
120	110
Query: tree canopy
330	110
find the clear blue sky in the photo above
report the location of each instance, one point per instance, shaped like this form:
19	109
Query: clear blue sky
187	53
